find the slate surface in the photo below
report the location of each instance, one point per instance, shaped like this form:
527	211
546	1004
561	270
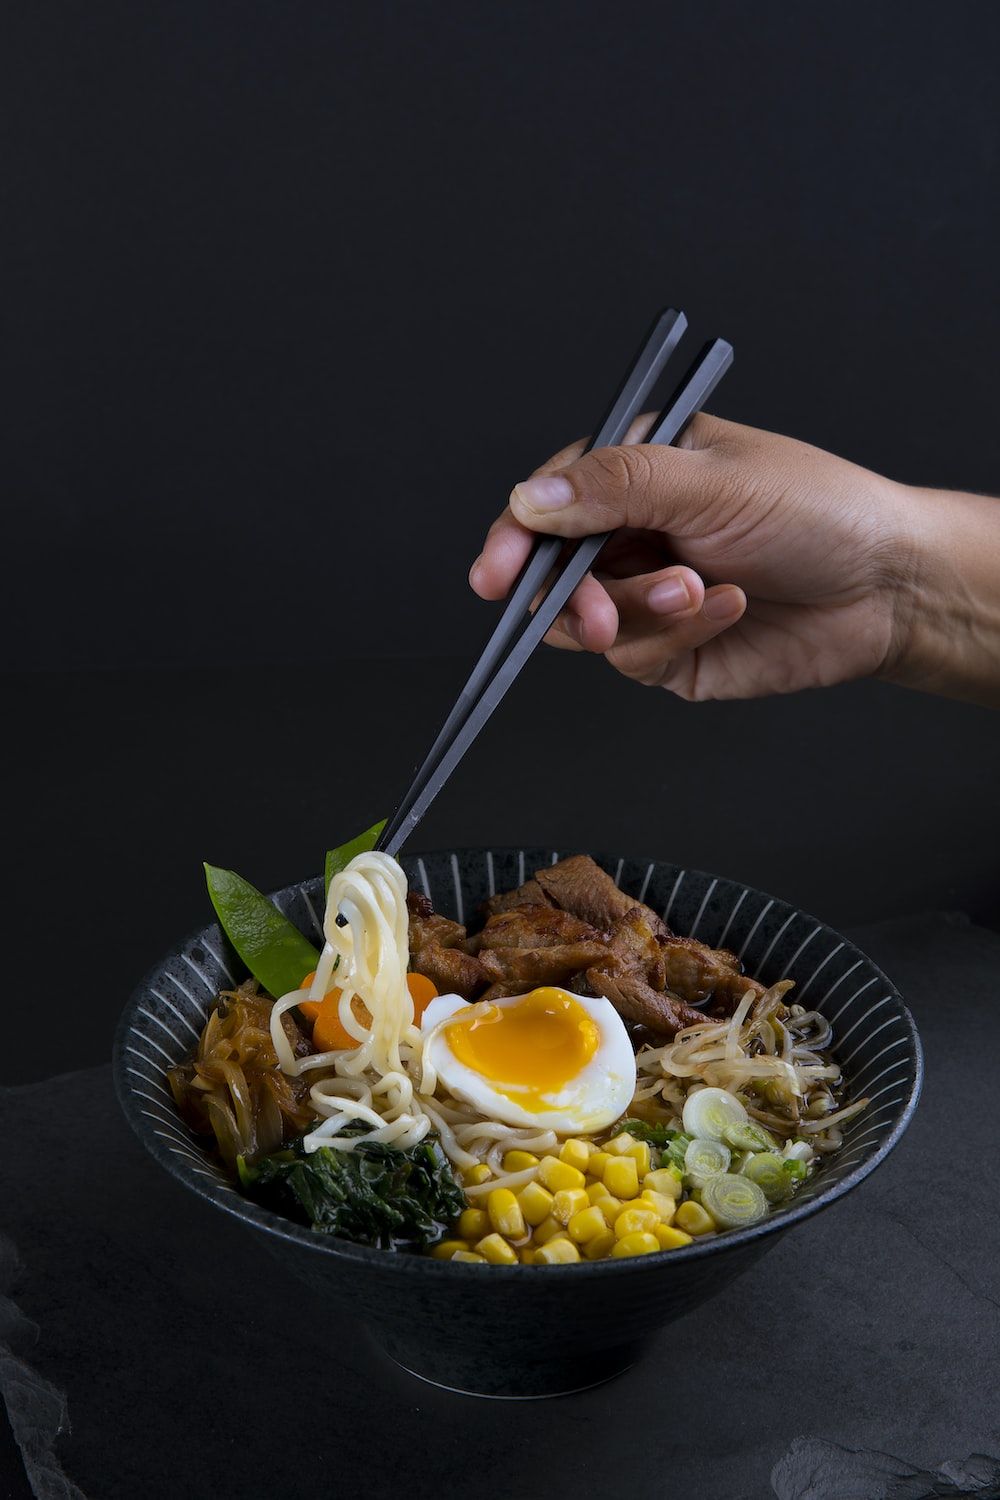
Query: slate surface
191	1367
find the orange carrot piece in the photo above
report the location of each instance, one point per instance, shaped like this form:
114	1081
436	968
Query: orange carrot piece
422	992
309	1009
329	1034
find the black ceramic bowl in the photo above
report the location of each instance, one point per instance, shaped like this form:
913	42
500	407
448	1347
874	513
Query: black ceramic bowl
525	1330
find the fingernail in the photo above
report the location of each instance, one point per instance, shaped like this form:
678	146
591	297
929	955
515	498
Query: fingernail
667	596
572	627
545	492
718	606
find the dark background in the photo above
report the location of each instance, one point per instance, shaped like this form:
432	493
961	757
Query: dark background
291	294
294	293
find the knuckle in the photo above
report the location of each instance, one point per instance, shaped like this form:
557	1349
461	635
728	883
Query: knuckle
623	482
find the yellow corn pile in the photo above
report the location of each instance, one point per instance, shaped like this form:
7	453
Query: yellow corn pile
589	1202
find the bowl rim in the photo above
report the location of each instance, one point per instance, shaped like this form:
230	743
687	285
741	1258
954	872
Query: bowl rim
246	1211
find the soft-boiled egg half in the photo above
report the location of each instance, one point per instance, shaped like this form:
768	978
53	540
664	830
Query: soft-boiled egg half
560	1061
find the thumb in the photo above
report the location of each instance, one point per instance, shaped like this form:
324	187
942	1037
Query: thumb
647	488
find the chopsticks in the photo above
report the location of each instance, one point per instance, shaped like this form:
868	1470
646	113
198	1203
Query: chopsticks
519	631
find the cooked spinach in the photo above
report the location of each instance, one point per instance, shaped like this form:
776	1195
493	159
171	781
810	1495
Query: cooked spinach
373	1194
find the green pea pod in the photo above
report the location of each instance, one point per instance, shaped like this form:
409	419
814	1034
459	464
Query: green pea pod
273	950
338	859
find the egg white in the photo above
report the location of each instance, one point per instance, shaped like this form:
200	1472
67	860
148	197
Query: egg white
590	1101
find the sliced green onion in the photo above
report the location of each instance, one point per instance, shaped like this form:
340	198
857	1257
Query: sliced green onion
708	1112
733	1202
746	1136
705	1159
767	1170
798	1151
794	1168
673	1156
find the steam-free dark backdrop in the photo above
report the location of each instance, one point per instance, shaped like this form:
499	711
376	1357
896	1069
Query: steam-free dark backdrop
292	293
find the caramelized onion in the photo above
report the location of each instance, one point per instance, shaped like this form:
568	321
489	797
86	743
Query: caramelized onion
232	1088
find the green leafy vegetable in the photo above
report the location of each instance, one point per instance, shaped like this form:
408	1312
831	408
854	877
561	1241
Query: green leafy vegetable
656	1135
373	1195
272	948
338	859
672	1144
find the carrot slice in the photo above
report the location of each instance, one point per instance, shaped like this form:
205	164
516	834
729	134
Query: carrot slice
422	992
308	1008
329	1034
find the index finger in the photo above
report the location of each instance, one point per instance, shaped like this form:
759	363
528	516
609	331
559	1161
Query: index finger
508	546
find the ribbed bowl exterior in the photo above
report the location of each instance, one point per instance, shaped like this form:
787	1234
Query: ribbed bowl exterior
521	1331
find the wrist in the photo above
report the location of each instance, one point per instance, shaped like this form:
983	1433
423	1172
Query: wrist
946	606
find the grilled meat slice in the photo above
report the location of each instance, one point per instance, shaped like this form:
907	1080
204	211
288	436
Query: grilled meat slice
427	927
533	966
528	894
635	949
580	886
451	971
636	1001
502	990
536	927
699	973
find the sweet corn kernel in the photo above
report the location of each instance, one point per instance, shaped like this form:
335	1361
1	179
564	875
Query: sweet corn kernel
693	1218
610	1207
473	1224
536	1202
557	1252
496	1250
636	1244
505	1213
518	1161
663	1181
583	1226
639	1150
600	1246
559	1176
470	1257
568	1202
475	1175
595	1191
526	1255
547	1230
447	1248
576	1153
635	1221
597	1162
670	1238
621	1177
664	1206
619	1145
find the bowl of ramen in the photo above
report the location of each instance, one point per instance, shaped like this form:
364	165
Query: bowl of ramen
512	1109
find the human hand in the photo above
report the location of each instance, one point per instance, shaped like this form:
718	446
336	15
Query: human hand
743	563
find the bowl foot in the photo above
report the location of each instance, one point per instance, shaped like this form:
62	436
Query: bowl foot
500	1379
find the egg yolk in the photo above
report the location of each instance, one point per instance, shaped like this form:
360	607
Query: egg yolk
528	1050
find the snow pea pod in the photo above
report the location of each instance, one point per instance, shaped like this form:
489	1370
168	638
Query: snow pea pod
338	859
272	948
